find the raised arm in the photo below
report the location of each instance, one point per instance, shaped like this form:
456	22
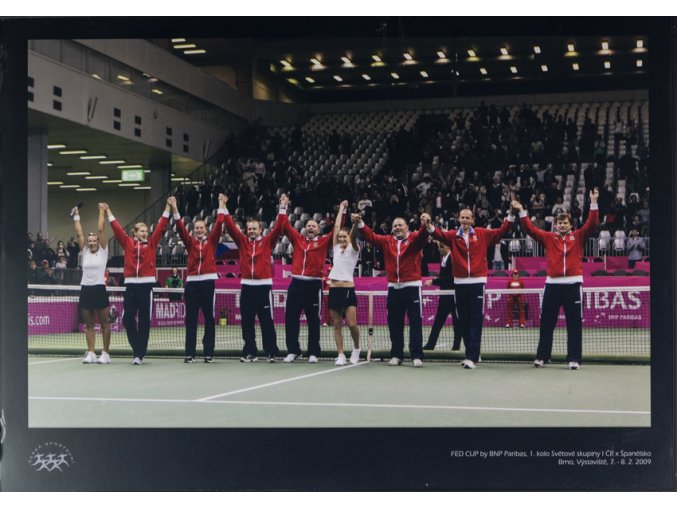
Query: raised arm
118	231
231	227
161	227
180	226
369	236
354	232
101	225
421	236
215	235
343	207
277	231
78	228
494	235
529	227
442	236
593	216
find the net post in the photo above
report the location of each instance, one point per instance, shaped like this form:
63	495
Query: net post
370	329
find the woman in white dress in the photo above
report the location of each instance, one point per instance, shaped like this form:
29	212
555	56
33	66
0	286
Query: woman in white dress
93	296
342	298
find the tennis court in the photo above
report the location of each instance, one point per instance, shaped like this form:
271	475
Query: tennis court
228	394
612	388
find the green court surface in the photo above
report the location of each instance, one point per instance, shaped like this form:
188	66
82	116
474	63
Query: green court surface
166	393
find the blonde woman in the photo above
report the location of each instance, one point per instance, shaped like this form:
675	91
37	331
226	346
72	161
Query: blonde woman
93	296
342	298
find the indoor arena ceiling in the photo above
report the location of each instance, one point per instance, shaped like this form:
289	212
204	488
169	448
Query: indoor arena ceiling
411	57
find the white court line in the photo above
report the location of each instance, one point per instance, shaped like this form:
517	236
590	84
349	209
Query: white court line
31	363
353	405
253	388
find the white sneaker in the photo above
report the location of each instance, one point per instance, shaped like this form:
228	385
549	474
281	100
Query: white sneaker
573	365
468	364
312	359
291	358
417	363
539	363
355	356
395	361
90	357
137	360
104	358
340	360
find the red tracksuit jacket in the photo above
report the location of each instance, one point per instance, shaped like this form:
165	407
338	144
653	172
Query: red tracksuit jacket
139	256
470	261
402	257
202	253
309	255
564	253
256	255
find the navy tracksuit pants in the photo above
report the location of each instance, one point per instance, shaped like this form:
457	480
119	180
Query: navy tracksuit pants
400	302
138	302
470	307
199	295
257	301
306	296
570	296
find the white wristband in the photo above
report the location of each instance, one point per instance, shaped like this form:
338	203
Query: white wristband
76	218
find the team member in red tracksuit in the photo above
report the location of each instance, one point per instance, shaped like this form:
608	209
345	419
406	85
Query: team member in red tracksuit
257	282
469	247
564	251
199	290
139	272
403	253
305	290
516	300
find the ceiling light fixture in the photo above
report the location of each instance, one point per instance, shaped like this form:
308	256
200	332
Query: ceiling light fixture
131	166
513	70
128	184
605	45
122	77
376	58
537	50
407	56
93	157
483	71
640	63
195	52
544	68
607	64
96	76
504	51
185	46
55	146
316	62
310	79
88	189
73	152
338	78
346	60
366	77
424	73
441	55
55	183
112	181
174	41
471	53
575	66
640	43
107	162
96	177
141	188
69	186
571	48
395	75
79	173
157	91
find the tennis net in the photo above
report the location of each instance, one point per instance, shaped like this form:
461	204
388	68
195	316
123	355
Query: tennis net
616	323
